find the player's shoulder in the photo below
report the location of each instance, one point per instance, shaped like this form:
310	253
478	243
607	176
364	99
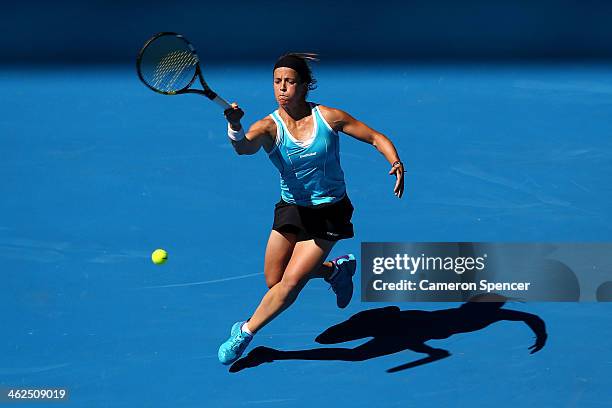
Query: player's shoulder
267	120
332	113
334	116
265	125
326	109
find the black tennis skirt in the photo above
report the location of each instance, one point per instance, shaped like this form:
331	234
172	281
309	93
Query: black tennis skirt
330	221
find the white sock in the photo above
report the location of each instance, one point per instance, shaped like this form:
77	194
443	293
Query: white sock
334	272
245	328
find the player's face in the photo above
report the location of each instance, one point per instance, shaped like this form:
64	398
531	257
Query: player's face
288	89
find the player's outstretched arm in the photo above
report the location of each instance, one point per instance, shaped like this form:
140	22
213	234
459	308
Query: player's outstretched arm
341	121
251	141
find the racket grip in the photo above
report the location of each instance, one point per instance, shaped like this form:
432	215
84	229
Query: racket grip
212	95
221	102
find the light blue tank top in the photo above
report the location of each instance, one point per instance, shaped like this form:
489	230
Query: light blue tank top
310	172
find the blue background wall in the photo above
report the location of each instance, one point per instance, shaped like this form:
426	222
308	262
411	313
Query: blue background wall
105	31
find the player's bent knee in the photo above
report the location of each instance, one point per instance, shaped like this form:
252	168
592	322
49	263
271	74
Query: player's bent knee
271	282
290	285
273	276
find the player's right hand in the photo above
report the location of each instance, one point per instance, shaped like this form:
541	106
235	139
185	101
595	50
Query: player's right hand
233	115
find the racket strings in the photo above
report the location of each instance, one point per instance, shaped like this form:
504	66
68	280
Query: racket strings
172	71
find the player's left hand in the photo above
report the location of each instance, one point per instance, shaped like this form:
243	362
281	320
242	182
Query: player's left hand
398	170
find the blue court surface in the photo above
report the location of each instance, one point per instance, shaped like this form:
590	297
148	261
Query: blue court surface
98	171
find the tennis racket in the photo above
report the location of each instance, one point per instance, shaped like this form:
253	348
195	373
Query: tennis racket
168	64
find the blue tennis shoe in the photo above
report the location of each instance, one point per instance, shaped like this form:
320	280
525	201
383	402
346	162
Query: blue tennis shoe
233	347
342	282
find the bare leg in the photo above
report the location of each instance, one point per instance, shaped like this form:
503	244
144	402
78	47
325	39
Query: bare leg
278	253
305	263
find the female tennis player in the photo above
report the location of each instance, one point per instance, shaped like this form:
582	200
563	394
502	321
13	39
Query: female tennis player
314	212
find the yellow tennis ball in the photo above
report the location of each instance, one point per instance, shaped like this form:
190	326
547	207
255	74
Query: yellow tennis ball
159	256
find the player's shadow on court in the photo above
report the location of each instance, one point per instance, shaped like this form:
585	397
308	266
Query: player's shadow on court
394	330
